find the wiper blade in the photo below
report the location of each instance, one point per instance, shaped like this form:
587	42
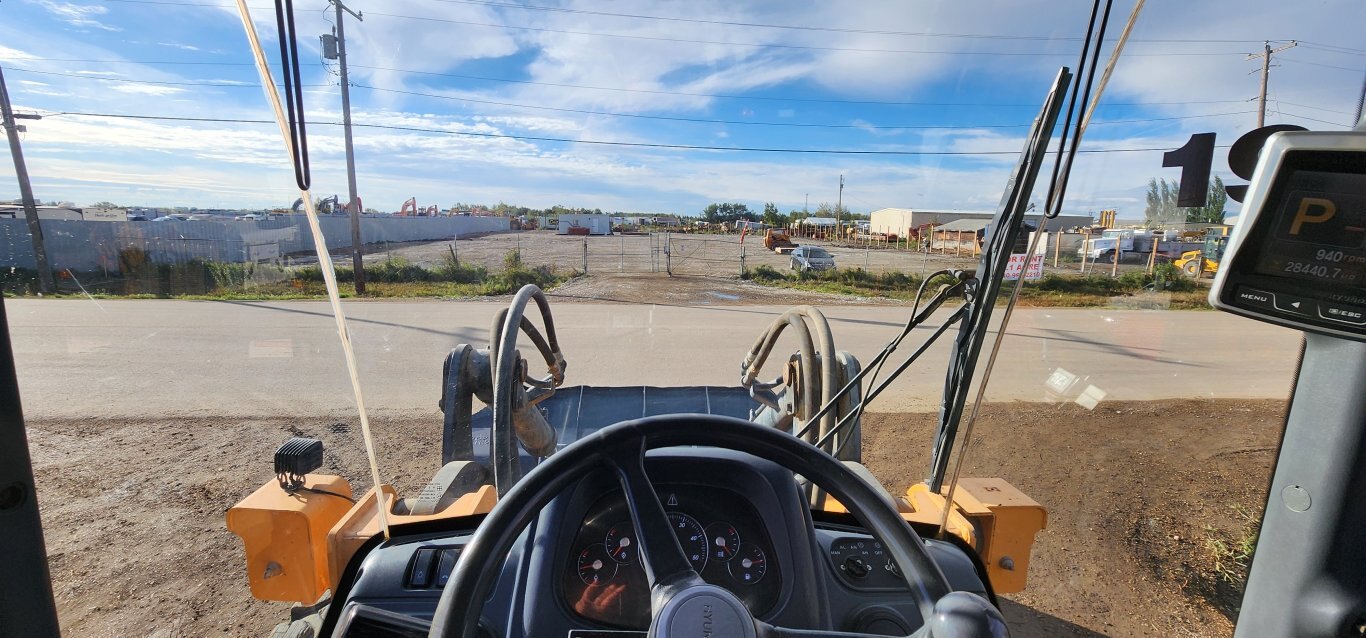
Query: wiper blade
1004	231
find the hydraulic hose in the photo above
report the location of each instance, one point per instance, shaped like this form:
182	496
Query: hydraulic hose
764	345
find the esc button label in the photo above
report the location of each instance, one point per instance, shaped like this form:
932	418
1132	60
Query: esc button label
1344	314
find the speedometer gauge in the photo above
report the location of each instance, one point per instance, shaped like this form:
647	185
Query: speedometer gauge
595	566
750	564
691	537
722	541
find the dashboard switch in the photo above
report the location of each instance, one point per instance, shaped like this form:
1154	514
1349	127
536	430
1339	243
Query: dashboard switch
446	565
856	567
421	575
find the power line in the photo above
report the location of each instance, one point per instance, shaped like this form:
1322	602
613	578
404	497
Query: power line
1312	119
755	97
1332	47
609	88
770	45
1326	66
641	116
925	34
983	36
532	138
1316	108
752	123
691	41
224	83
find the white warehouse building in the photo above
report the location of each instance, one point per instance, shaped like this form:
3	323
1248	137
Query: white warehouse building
900	221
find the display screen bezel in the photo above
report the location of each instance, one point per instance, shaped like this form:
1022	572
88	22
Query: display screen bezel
1245	264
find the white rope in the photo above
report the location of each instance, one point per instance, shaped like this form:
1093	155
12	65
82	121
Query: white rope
324	262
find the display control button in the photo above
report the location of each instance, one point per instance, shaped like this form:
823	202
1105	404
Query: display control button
1294	304
421	575
1255	298
443	572
1353	315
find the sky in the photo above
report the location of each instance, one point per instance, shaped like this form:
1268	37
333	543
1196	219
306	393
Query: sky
927	102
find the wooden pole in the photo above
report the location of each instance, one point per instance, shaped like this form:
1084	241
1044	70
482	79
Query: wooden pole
1085	249
1152	259
1114	265
1057	246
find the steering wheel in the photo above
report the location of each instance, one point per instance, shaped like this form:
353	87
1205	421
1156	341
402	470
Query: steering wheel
681	603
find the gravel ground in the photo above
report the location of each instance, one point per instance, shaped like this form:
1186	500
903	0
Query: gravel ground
706	255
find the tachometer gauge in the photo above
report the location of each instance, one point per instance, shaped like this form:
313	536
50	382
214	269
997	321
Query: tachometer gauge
620	542
750	564
722	541
691	537
595	566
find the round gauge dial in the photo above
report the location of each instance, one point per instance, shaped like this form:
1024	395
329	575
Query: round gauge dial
691	537
749	565
722	541
620	542
595	566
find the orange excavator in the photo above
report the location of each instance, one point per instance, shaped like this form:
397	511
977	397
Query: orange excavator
409	208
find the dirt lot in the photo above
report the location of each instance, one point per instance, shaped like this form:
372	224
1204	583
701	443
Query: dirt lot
134	510
708	255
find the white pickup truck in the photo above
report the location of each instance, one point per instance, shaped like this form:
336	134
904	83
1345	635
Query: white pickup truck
1132	242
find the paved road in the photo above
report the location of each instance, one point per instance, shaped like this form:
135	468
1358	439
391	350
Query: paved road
133	358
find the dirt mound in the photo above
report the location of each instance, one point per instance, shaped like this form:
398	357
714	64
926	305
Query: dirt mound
1140	497
134	510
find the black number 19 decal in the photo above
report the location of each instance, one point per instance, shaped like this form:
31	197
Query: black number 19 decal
1196	159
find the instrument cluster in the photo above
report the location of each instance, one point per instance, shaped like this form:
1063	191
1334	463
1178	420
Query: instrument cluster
719	531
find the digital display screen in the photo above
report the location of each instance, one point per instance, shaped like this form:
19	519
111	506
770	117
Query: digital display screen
1318	232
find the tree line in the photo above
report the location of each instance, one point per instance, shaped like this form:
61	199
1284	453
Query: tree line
732	212
1162	209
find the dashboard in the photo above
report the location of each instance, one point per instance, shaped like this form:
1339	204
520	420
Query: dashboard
742	522
718	529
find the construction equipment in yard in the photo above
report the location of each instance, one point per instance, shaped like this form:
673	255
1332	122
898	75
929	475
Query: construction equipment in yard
1196	263
778	241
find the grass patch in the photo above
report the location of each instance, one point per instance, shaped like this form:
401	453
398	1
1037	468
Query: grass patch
1166	287
210	280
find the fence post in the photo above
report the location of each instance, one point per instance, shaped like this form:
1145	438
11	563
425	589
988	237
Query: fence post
1057	246
1085	249
585	255
1152	259
1114	265
742	261
621	267
668	255
865	260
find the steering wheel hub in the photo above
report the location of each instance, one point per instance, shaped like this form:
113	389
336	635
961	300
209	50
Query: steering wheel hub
703	611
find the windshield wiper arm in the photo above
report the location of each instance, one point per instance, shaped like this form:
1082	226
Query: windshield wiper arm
1002	236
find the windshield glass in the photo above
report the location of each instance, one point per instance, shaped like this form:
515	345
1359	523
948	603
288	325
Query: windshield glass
171	324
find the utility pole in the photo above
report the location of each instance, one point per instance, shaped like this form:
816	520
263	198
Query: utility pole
357	262
1265	55
839	204
35	228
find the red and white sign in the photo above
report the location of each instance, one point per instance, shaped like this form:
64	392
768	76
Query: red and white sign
1016	263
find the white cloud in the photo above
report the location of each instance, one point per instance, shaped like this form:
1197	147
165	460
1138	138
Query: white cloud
77	15
146	89
7	53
